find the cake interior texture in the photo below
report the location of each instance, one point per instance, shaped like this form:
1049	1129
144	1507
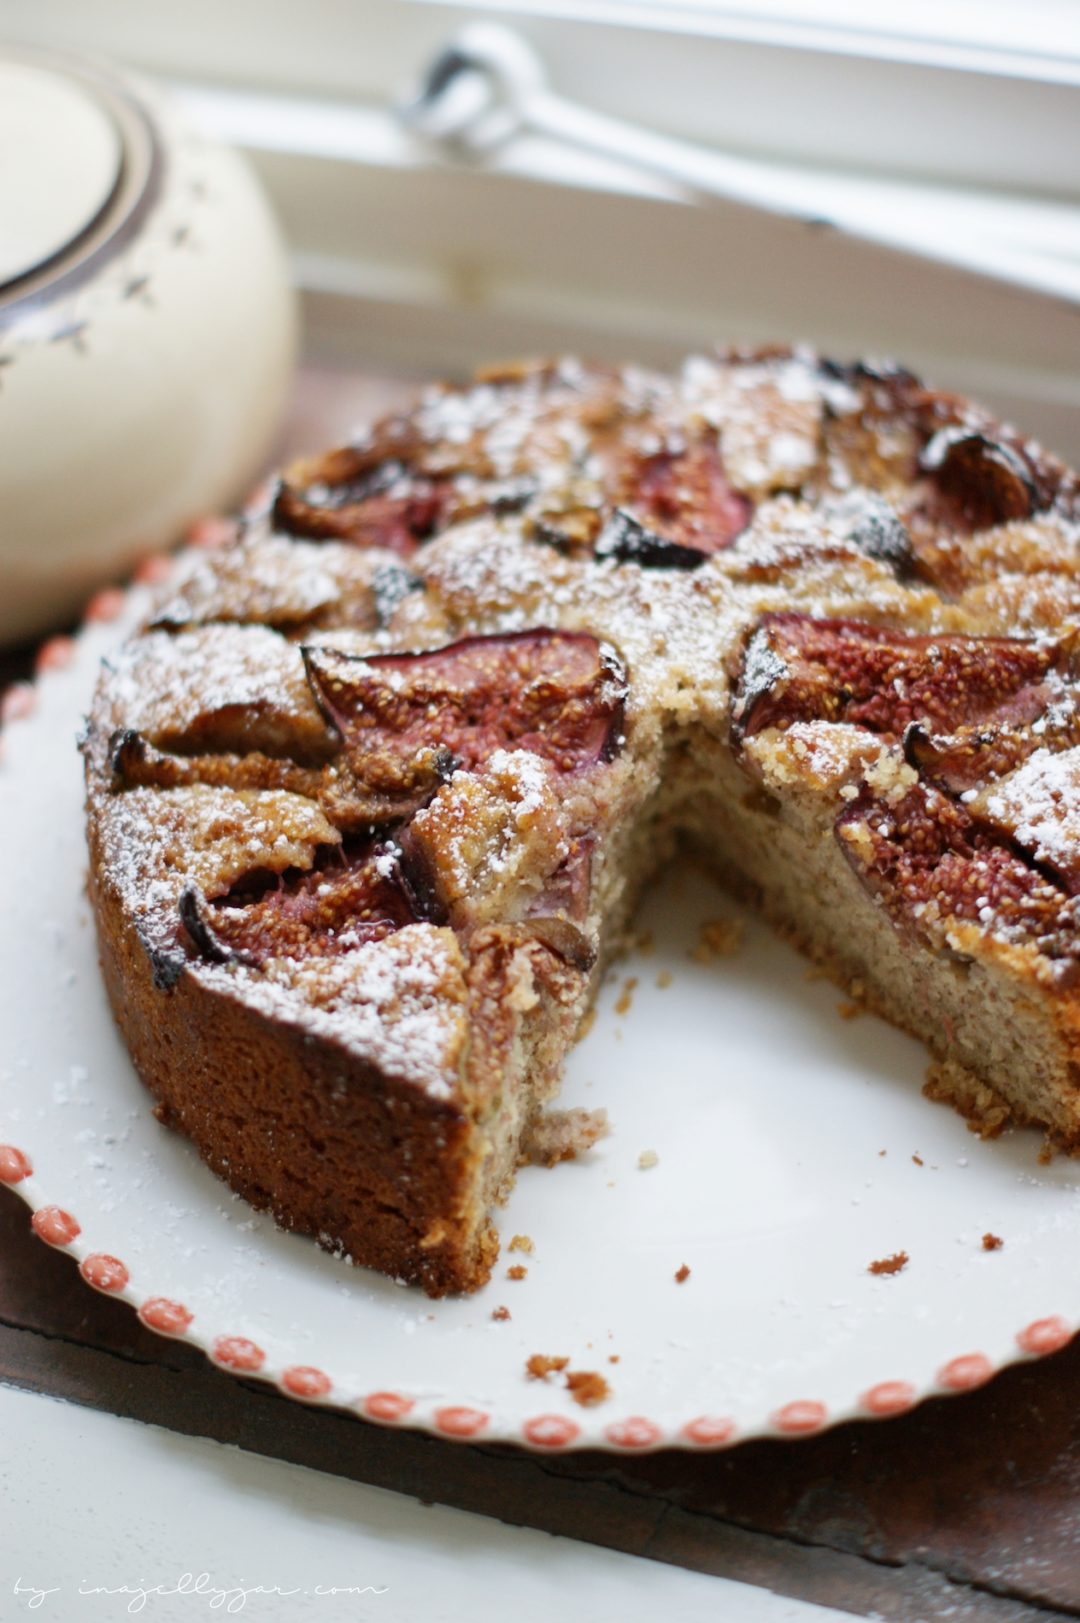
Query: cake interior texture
373	791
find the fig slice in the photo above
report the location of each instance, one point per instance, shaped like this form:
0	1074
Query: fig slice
976	754
629	542
1037	808
797	668
559	694
193	910
977	481
688	499
390	508
934	867
558	914
135	762
353	895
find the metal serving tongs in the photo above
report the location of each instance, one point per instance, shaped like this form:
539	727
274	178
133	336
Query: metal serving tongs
488	85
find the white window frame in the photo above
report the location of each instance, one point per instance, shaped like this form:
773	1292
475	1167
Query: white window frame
407	259
821	80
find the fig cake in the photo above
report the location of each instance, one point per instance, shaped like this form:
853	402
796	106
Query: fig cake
374	789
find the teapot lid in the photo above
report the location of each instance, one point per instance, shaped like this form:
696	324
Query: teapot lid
68	153
79	166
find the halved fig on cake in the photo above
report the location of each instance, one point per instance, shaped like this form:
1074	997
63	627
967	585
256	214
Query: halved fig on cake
686	497
671	509
798	668
495	845
218	689
557	915
1037	808
558	694
973	755
978	480
136	763
272	580
377	493
627	541
354	894
388	507
937	869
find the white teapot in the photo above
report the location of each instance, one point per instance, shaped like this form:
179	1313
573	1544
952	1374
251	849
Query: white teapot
147	331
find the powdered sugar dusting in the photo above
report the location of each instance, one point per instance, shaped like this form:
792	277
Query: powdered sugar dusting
398	1004
162	685
1040	803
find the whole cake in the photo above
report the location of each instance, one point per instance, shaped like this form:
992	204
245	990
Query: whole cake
374	790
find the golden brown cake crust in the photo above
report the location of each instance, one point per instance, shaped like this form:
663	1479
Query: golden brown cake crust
296	1126
372	793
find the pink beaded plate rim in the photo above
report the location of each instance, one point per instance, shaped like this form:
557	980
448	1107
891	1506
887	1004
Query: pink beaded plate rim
447	1416
461	1420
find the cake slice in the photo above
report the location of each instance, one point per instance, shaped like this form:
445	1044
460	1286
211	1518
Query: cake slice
373	792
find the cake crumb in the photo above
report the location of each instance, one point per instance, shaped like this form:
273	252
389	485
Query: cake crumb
918	1160
889	1265
541	1365
613	1358
647	1159
849	1011
664	979
992	1242
562	1135
717	938
645	943
587	1387
522	1242
682	1274
516	1272
626	996
500	1314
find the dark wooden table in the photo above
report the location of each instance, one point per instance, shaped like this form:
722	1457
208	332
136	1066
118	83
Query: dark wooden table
967	1508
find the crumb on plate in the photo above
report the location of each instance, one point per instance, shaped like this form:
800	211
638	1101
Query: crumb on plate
587	1387
717	938
889	1265
541	1365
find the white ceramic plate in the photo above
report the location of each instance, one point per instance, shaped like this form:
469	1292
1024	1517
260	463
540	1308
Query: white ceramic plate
794	1148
